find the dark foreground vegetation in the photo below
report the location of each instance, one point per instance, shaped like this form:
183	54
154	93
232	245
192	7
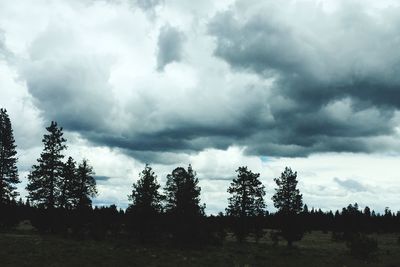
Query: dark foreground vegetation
315	249
107	236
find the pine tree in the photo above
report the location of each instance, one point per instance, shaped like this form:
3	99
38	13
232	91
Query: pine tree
146	205
305	209
289	202
183	193
85	186
247	201
145	195
67	184
45	177
183	205
367	211
8	160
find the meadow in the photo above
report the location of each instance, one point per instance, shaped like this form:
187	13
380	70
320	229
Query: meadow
26	248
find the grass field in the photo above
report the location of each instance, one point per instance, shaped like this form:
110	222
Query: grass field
316	249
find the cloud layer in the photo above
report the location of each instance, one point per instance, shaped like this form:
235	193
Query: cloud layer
299	81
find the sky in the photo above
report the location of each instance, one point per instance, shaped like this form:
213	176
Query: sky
309	84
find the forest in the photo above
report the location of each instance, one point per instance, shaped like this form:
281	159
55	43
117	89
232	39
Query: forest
171	218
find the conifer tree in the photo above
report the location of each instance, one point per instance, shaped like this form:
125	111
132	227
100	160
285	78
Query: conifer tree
183	205
289	202
247	201
145	195
45	177
8	160
146	205
183	193
86	185
68	183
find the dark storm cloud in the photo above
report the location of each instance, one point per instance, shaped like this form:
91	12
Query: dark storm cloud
336	80
161	146
350	185
170	46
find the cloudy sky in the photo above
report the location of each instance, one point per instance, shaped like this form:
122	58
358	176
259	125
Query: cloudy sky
310	84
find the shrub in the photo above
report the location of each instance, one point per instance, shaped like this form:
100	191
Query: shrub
274	236
362	246
337	237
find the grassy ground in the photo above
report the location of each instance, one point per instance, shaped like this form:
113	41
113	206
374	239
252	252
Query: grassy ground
316	249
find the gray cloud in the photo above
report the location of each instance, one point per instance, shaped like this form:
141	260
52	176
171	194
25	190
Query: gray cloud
101	178
68	86
318	84
334	78
170	46
350	185
64	91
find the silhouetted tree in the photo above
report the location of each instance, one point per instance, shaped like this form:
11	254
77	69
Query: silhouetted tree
351	221
183	203
145	192
183	193
367	211
44	179
8	160
85	186
305	209
146	204
288	200
80	188
68	184
247	201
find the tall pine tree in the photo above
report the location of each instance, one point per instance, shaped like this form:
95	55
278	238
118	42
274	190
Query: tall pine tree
183	193
8	160
146	205
85	186
145	196
287	198
43	181
246	202
289	202
67	184
183	207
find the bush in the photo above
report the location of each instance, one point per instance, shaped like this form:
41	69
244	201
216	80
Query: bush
274	236
337	237
362	246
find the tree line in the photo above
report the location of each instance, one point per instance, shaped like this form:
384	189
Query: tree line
60	193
